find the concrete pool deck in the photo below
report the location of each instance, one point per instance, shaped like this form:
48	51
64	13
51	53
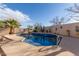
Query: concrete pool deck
24	49
20	48
14	37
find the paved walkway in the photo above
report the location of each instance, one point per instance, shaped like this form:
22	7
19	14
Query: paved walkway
70	44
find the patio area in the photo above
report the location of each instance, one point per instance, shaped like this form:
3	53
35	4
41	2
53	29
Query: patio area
69	47
70	44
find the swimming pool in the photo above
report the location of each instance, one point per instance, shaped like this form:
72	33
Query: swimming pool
39	39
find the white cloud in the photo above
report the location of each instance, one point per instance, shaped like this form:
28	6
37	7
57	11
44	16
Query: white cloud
2	5
6	13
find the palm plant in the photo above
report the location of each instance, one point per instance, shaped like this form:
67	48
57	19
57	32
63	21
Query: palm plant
12	24
2	24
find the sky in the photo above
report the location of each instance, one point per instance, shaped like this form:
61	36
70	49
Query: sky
31	13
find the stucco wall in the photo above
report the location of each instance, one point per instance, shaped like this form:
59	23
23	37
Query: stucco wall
63	31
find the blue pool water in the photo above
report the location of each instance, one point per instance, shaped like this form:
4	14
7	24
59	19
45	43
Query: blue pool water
38	39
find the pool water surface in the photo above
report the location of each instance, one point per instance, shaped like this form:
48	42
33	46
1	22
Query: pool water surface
41	39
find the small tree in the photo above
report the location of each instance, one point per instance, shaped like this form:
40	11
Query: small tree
37	27
59	21
74	12
74	9
29	27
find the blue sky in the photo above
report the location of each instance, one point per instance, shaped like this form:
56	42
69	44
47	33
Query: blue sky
40	13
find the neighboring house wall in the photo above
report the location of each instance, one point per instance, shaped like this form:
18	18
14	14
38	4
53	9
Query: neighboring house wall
66	29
